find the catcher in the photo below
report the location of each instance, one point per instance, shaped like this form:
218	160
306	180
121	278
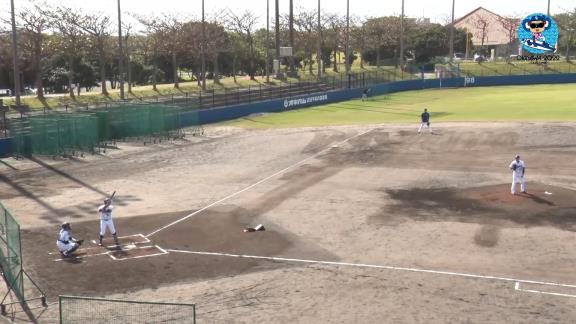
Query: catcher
425	121
518	168
66	243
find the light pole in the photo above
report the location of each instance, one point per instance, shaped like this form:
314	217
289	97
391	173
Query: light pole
347	58
451	44
319	53
548	8
121	54
15	53
268	41
203	49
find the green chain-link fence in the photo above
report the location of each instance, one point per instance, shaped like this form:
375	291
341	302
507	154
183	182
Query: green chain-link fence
11	252
100	310
68	133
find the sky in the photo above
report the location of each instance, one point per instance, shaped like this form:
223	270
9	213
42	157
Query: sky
437	10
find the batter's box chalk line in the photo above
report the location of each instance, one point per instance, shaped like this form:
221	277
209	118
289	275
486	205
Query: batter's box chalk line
162	252
126	247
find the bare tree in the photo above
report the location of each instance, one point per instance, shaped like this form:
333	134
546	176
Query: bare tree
510	25
335	25
97	26
215	44
154	44
482	24
307	38
71	40
171	27
381	32
359	37
244	25
567	23
35	24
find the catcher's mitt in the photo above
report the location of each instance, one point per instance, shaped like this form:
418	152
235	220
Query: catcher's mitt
513	167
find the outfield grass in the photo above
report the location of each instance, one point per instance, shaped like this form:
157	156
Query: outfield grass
504	103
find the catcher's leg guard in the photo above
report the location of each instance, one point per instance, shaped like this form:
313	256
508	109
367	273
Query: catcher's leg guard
72	249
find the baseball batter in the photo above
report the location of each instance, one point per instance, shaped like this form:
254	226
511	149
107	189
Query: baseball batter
106	221
518	168
66	243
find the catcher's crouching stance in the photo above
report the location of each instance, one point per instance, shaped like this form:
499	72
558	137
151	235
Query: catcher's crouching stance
106	220
66	243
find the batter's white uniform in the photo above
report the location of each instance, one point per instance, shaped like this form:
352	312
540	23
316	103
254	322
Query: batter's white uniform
518	167
106	220
65	242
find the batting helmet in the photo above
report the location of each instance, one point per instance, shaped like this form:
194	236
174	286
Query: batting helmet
66	226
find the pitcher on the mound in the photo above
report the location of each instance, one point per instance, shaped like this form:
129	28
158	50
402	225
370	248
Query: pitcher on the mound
106	221
518	168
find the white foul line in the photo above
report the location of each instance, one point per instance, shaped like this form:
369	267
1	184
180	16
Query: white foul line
363	265
257	183
517	287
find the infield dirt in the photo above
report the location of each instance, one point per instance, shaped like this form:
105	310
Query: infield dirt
389	197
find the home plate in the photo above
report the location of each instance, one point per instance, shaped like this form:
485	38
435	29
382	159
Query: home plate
547	193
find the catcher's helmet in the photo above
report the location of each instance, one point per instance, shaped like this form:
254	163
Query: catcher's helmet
66	226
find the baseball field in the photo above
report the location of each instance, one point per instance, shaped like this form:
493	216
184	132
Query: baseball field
366	220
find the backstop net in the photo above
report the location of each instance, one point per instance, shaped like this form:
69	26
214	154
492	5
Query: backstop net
99	310
11	252
57	134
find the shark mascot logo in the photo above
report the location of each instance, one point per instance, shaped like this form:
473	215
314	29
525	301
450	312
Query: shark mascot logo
538	34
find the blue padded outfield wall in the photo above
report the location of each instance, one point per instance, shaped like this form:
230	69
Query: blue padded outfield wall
231	112
214	115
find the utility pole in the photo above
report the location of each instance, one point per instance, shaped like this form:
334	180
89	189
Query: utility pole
277	29
291	23
401	58
15	53
268	41
319	53
203	49
347	55
121	54
451	45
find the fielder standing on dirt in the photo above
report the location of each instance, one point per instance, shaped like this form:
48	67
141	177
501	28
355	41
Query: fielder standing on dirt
106	221
518	168
425	121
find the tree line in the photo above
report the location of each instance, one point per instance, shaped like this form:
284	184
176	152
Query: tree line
62	47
